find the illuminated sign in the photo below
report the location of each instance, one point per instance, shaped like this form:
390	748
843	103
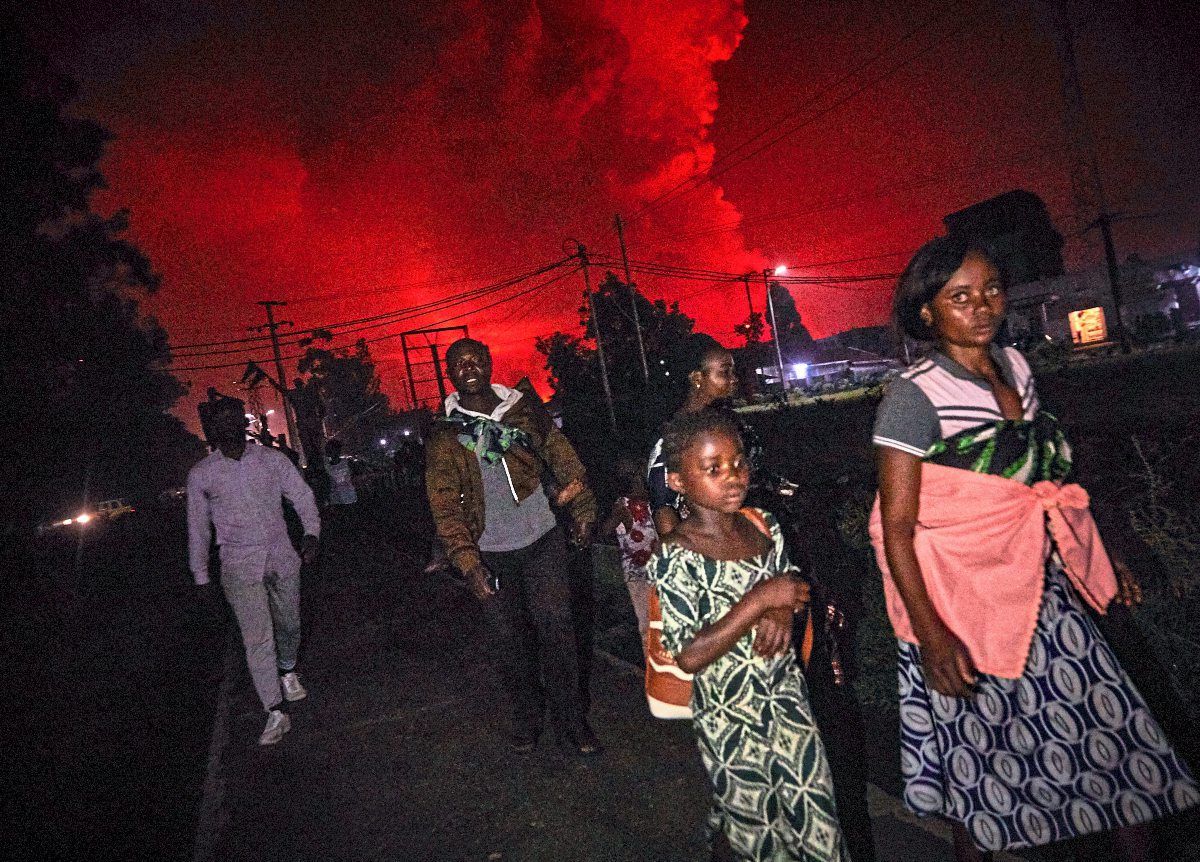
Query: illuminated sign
1088	326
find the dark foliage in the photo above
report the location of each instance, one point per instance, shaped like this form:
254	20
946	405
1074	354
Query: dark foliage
86	400
794	337
356	409
574	367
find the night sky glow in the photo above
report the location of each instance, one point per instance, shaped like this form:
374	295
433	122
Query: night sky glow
359	157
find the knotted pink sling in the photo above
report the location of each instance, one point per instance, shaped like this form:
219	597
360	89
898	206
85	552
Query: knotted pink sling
982	543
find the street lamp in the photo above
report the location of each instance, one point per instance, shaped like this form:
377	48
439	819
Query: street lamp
766	273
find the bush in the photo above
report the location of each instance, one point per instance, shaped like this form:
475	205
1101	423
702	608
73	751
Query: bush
1169	613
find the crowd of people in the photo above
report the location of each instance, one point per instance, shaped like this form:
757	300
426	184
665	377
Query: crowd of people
1018	723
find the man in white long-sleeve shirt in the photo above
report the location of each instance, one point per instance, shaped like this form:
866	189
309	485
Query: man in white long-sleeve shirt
239	490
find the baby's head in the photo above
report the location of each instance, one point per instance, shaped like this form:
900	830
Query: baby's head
706	461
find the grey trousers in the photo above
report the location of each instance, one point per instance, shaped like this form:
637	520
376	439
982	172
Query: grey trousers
268	614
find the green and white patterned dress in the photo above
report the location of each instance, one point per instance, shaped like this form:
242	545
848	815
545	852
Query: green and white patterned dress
773	792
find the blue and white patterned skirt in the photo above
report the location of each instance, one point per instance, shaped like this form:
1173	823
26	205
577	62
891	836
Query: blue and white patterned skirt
1068	749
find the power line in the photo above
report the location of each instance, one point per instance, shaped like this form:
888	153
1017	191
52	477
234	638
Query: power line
843	282
337	325
392	317
666	270
884	256
409	311
463	314
374	321
314	298
379	338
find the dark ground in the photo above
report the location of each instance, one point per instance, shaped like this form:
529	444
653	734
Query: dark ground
113	670
399	751
138	724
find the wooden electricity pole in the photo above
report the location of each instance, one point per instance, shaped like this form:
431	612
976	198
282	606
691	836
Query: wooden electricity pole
272	327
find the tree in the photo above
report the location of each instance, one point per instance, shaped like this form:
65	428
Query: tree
356	409
793	336
751	329
86	393
574	364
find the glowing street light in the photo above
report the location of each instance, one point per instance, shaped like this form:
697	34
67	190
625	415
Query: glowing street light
382	441
781	269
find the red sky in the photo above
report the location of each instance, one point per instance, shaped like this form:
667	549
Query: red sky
361	157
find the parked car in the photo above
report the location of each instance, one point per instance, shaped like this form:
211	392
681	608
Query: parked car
113	509
105	510
176	494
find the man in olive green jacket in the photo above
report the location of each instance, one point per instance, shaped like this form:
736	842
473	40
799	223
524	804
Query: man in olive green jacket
484	465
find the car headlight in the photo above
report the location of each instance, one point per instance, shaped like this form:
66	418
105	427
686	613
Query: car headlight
82	519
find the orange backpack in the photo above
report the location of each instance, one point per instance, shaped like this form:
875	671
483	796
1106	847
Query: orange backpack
668	689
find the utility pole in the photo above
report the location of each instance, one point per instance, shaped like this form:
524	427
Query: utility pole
775	332
437	369
272	326
637	321
408	343
1086	183
749	298
1104	223
581	253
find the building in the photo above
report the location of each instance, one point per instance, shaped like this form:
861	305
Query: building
1017	225
825	361
1161	300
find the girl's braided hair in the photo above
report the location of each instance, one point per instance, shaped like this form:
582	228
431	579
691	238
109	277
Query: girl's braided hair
686	428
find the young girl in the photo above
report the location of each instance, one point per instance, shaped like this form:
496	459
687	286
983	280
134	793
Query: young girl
727	600
630	520
1017	721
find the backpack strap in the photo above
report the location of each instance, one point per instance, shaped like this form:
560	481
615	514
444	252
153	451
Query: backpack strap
756	517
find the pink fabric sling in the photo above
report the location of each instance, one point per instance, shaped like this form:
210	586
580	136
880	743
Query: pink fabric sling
982	543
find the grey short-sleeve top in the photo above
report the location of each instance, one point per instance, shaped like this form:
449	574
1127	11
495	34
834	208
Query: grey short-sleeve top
937	398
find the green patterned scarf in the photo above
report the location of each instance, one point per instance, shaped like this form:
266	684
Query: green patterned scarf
1027	451
487	438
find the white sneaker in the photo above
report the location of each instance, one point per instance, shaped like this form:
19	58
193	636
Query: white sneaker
277	725
292	689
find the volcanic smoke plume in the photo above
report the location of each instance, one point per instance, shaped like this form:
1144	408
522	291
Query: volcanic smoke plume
327	157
